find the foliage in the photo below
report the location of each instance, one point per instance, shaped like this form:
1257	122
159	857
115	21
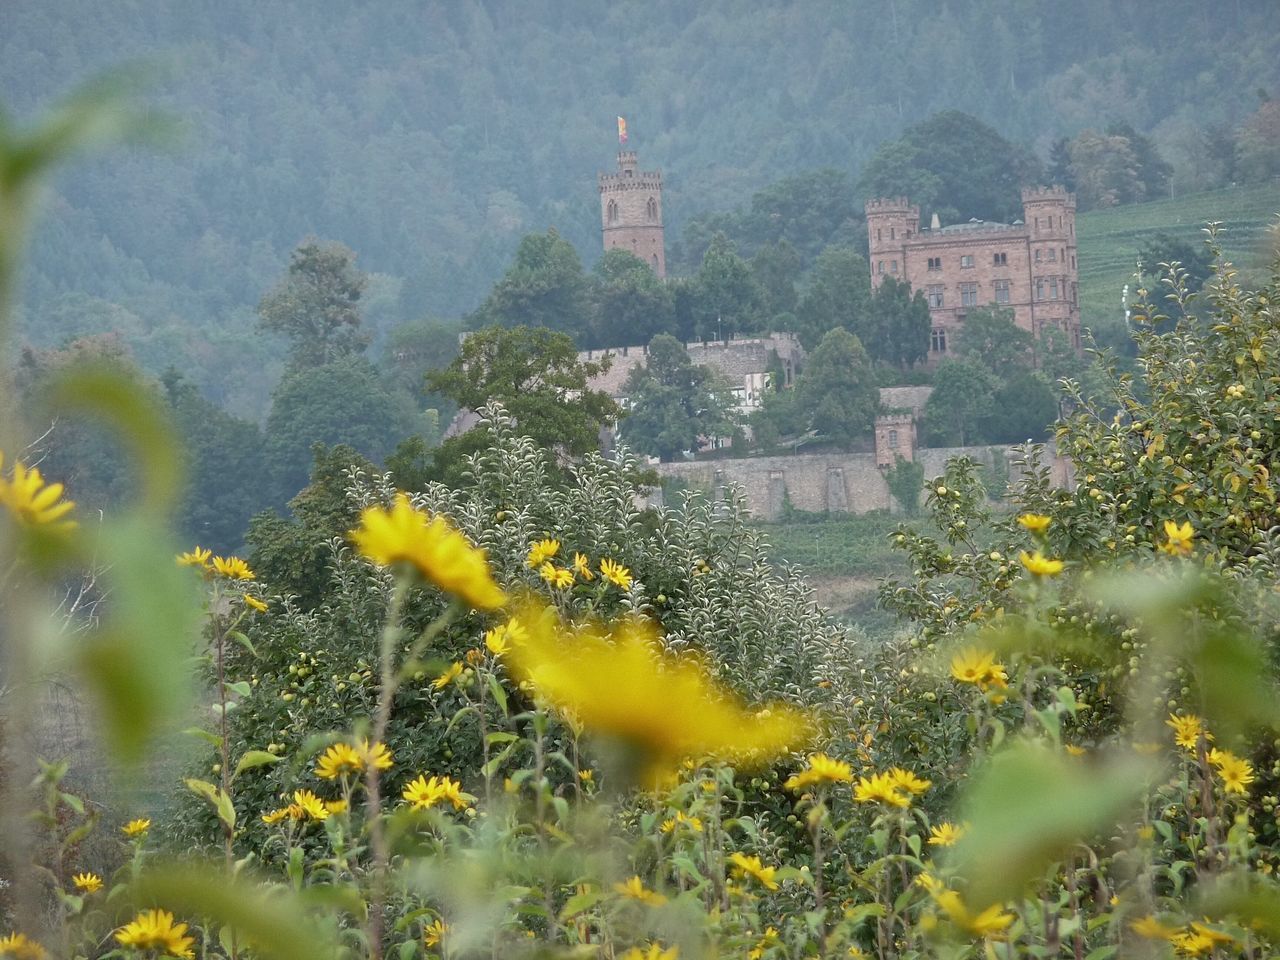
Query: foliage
629	304
838	394
317	306
544	287
837	294
963	392
724	297
537	376
906	482
897	324
674	403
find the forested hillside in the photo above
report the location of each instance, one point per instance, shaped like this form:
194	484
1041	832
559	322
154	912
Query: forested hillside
430	137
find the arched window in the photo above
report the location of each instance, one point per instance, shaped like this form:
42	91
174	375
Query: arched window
652	209
654	258
612	211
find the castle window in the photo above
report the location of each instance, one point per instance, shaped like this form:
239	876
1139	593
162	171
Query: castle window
1002	291
935	263
1073	261
878	235
893	235
654	258
1053	255
938	340
1039	289
934	293
966	262
1038	256
968	294
652	209
893	266
1062	254
1053	289
879	266
893	439
612	211
1037	224
999	259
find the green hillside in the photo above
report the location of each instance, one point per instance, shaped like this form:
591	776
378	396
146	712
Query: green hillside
1109	240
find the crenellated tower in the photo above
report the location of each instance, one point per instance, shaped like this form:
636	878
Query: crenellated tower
891	222
631	211
1050	217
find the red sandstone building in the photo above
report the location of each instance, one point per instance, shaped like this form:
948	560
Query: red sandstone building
1028	266
631	211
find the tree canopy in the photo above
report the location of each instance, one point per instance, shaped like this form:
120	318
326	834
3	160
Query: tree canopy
674	402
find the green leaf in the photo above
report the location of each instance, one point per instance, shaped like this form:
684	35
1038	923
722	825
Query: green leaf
251	759
241	688
580	902
1029	807
205	735
244	641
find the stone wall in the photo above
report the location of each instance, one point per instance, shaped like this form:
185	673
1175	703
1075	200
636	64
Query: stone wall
823	482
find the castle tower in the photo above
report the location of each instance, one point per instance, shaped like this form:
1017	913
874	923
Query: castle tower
1050	216
631	211
891	222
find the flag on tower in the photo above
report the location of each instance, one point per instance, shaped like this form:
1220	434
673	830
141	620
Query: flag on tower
622	130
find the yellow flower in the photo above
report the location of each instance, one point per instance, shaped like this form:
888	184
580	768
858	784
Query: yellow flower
541	552
336	806
31	502
309	806
423	794
155	930
558	577
655	952
693	823
432	546
1236	772
1039	565
503	636
587	776
1217	936
343	758
1192	943
197	556
136	828
88	882
990	921
822	769
617	682
979	667
745	866
252	601
233	568
634	889
767	939
1187	730
906	780
1075	750
615	573
432	935
275	816
945	835
20	947
1035	522
448	676
880	788
1180	537
582	566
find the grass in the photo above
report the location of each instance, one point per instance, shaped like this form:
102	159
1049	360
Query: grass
1109	240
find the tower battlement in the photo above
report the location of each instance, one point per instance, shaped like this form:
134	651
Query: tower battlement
1056	193
890	205
631	211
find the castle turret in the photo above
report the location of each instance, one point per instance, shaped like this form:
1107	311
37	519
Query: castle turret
891	221
1050	215
631	211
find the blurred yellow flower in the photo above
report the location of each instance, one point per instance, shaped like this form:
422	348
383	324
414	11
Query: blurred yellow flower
880	788
432	546
541	552
434	933
654	952
767	939
1191	943
744	866
1187	730
634	889
1035	522
423	793
992	920
88	882
906	780
618	683
821	769
308	805
945	835
560	578
979	667
1179	538
233	568
252	601
1236	772
275	816
502	636
197	556
450	675
20	947
682	819
1039	565
582	566
33	503
136	828
615	573
155	930
343	758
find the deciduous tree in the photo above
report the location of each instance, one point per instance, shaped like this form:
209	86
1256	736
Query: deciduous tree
674	402
317	305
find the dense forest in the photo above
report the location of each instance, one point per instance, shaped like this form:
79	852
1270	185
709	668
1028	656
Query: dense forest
430	138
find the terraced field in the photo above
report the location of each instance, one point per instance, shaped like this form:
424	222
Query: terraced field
1109	240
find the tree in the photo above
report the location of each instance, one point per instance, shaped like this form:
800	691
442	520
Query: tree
992	338
1258	144
1152	169
1165	248
536	374
674	402
317	305
343	402
963	391
726	297
1059	171
838	294
776	267
837	392
1023	407
898	325
413	350
954	165
544	287
1106	170
629	304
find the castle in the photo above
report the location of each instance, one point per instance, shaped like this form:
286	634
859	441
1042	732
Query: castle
631	211
1028	266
